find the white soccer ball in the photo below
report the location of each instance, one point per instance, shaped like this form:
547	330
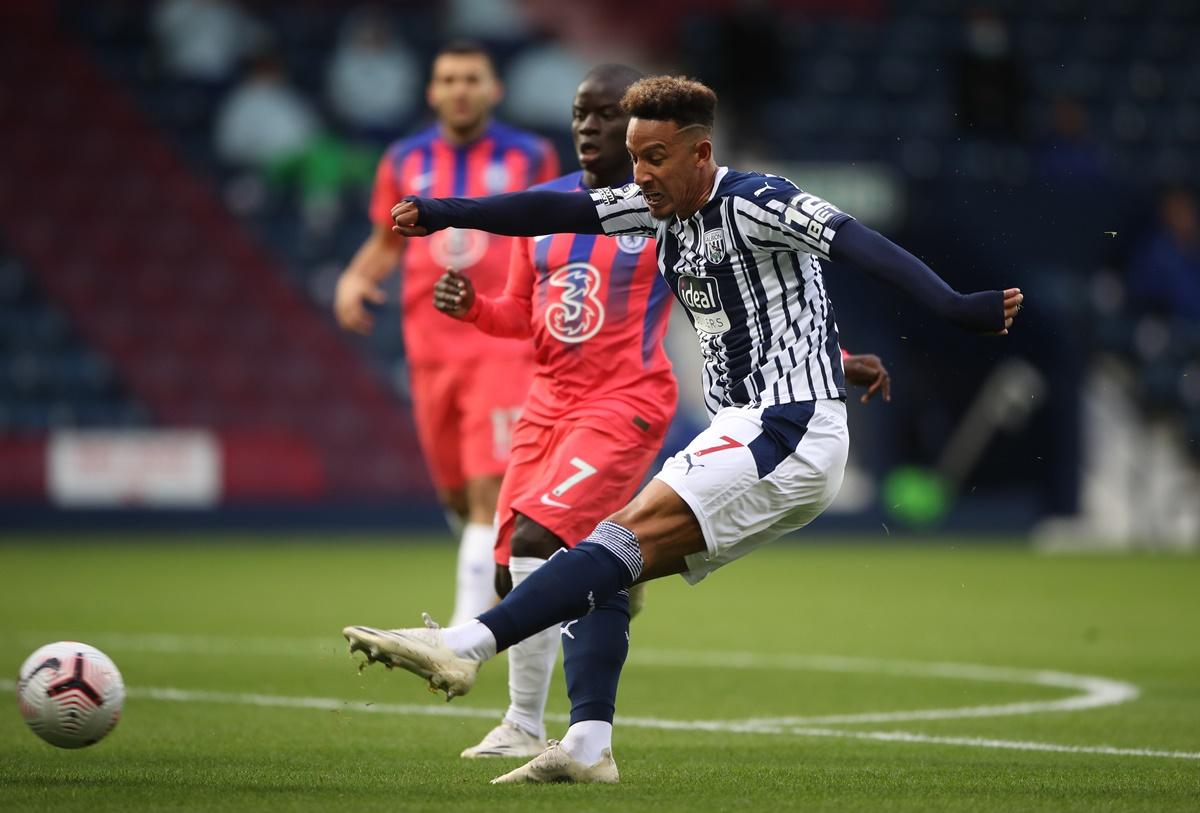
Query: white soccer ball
70	694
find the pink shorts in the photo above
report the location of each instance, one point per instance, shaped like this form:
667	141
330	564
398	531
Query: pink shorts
569	476
465	416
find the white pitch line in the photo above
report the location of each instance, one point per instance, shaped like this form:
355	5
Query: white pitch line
981	742
757	726
1091	691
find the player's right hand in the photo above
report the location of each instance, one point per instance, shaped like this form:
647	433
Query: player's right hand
1012	306
404	215
353	290
453	294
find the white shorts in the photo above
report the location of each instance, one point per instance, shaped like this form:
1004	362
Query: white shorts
756	474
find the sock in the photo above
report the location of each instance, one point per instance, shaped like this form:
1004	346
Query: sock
587	740
476	588
470	640
570	585
594	651
530	664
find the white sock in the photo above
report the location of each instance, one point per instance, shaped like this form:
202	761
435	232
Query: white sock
470	640
530	664
476	582
587	740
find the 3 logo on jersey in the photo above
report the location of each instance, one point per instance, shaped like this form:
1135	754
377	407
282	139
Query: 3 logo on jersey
578	313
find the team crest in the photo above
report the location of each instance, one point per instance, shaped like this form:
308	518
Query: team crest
631	243
714	246
457	248
496	178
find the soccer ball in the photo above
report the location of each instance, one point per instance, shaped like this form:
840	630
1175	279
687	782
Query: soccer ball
70	694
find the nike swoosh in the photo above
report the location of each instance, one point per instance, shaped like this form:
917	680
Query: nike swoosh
548	500
542	237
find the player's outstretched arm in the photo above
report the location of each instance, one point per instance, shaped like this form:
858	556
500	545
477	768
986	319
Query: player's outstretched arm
982	311
517	214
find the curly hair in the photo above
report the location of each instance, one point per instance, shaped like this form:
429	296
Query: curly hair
684	101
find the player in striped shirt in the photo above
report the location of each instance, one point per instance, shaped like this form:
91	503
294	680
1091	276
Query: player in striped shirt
467	387
603	395
742	252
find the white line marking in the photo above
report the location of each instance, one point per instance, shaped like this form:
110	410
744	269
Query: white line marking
1092	692
979	742
720	726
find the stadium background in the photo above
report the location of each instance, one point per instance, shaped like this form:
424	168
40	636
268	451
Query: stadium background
156	275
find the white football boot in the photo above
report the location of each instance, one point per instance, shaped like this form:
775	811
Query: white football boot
506	740
418	650
556	765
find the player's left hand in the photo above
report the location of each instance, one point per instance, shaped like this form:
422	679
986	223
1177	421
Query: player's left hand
868	371
404	215
453	294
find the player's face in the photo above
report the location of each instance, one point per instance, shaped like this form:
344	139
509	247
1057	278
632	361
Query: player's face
668	164
463	90
598	127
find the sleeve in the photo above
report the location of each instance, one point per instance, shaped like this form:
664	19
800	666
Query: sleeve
982	311
508	315
385	191
623	210
516	214
547	164
799	220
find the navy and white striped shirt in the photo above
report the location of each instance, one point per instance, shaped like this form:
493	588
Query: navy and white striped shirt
747	269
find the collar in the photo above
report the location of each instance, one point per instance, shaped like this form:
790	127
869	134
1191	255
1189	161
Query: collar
720	176
712	193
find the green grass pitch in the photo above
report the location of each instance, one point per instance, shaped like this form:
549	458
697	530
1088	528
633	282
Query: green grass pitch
804	677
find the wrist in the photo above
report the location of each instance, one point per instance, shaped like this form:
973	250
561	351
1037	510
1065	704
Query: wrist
472	312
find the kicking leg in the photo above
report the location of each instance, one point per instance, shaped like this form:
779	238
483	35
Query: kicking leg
647	539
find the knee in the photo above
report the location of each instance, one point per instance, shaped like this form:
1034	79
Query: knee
531	539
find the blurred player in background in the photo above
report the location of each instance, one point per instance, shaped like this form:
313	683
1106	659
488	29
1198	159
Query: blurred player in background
467	387
603	392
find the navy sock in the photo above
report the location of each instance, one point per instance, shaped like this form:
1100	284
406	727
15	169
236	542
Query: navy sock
571	584
594	650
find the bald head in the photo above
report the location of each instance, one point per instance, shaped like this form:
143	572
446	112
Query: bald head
614	76
598	124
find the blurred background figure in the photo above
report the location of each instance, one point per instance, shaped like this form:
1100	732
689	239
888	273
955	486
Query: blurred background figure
467	387
373	79
204	40
1164	273
990	91
1069	151
264	119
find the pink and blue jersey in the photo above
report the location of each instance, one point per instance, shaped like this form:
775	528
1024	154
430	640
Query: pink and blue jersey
503	159
597	310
